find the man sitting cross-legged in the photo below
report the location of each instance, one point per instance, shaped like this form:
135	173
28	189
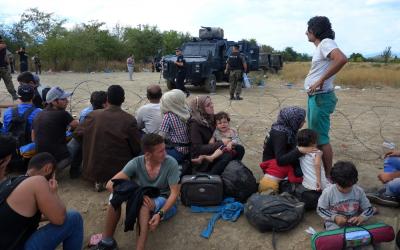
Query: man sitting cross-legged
27	200
153	169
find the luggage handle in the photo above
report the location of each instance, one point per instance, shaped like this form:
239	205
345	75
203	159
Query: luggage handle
201	175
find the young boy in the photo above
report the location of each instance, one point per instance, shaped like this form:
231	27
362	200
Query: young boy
344	203
314	177
222	132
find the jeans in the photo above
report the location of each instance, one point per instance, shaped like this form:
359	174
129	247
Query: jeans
160	202
130	71
393	188
75	152
179	157
50	236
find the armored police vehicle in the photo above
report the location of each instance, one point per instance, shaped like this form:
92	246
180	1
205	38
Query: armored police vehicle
206	59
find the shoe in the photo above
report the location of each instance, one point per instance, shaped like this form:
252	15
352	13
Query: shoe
238	98
382	199
102	246
232	98
99	186
15	97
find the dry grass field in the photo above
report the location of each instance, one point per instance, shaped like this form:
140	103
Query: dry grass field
358	75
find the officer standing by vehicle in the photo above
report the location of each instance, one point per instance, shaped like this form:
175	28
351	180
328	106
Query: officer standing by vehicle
180	71
235	66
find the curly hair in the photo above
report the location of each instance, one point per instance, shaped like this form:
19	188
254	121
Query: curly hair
321	27
344	173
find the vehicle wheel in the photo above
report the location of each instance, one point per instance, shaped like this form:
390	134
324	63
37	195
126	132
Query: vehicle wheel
170	84
210	84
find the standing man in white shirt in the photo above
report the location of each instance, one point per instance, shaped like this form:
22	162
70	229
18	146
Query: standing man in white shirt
130	64
327	60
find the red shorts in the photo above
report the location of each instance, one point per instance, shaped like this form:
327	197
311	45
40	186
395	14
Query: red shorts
272	168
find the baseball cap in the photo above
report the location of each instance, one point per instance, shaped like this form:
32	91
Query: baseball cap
178	49
56	93
26	91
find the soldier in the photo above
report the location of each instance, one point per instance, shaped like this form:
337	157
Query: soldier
23	60
4	73
180	71
235	66
38	65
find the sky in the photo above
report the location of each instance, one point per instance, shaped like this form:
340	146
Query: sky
361	26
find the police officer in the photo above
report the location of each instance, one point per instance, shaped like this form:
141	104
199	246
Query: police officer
235	66
180	71
4	73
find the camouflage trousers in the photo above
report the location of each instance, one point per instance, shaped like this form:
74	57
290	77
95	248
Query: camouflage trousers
6	76
235	80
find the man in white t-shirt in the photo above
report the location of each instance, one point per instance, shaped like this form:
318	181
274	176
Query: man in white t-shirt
327	60
149	115
130	62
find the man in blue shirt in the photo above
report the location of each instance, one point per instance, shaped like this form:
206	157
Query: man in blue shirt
26	93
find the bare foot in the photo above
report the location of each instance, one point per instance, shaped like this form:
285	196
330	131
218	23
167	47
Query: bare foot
198	160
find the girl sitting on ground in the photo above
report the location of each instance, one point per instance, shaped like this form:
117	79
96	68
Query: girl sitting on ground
223	132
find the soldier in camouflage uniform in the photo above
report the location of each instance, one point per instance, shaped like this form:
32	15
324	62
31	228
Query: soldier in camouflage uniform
4	72
235	65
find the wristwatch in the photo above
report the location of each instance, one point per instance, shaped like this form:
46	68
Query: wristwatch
161	213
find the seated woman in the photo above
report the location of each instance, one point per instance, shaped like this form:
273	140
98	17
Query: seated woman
202	127
174	127
281	155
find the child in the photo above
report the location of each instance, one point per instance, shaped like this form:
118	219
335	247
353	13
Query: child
344	203
222	132
311	165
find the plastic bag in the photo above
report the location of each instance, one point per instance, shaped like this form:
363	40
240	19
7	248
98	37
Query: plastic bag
246	81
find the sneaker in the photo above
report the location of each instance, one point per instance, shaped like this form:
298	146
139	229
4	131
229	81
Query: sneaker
232	98
102	246
99	186
238	98
382	199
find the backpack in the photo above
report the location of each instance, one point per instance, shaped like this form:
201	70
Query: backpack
8	185
275	213
19	126
239	181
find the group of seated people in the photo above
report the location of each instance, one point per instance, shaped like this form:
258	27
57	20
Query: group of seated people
110	146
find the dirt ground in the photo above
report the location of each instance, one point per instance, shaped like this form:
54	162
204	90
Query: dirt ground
364	118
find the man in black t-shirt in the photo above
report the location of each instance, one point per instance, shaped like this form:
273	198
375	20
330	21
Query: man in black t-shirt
28	78
180	71
50	125
23	60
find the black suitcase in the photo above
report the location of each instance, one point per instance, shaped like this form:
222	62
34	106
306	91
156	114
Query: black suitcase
201	190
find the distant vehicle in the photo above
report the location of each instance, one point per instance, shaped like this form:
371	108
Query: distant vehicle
206	59
270	62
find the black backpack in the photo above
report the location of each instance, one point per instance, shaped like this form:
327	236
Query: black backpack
19	128
239	181
274	212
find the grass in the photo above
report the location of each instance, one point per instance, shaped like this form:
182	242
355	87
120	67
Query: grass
353	74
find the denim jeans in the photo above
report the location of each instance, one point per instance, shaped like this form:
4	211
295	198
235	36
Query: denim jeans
393	187
75	152
176	154
50	236
130	71
160	202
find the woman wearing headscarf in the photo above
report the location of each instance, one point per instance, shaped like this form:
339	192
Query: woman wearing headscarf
174	127
201	127
281	155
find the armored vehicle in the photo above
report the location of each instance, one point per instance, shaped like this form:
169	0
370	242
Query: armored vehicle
206	59
270	62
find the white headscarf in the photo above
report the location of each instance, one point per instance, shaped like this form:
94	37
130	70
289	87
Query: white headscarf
175	101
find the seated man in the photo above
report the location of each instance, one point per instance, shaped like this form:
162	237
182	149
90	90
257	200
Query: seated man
154	169
7	147
390	194
33	198
149	116
28	78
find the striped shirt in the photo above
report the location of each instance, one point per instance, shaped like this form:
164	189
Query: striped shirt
175	131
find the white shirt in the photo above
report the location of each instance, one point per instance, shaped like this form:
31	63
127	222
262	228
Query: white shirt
149	118
309	174
319	65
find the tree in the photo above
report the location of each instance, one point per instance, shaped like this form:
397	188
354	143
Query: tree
173	39
387	54
143	42
266	49
357	57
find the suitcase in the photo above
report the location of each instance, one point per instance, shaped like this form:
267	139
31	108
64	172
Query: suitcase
201	190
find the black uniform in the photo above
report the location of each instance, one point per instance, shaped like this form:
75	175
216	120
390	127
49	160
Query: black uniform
180	74
23	61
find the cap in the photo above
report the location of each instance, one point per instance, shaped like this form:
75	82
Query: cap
26	91
178	49
56	93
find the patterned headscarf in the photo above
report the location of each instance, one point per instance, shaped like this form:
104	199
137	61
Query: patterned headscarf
175	101
289	121
197	106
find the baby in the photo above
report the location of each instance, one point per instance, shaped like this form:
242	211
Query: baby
223	132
